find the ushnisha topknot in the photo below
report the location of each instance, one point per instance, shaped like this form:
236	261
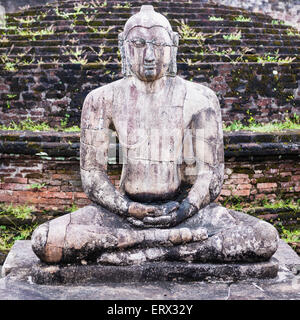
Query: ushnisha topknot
147	17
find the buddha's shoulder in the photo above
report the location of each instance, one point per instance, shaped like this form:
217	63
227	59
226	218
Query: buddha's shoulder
196	90
106	91
198	97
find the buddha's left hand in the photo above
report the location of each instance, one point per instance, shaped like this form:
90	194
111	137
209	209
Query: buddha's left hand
170	219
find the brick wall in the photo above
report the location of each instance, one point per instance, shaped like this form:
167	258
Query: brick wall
257	165
287	10
269	179
55	87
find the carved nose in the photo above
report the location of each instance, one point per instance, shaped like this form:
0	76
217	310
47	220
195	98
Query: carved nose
149	57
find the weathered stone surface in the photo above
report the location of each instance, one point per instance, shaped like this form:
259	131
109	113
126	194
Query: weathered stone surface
171	135
20	256
152	271
17	284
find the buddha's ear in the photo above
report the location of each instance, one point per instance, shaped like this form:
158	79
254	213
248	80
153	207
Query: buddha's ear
175	39
124	59
122	52
172	71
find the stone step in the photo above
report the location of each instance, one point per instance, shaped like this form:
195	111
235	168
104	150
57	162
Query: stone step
92	57
115	67
135	6
249	39
110	29
191	19
109	48
113	30
177	12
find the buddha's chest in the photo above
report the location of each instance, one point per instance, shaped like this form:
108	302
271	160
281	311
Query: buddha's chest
150	125
137	112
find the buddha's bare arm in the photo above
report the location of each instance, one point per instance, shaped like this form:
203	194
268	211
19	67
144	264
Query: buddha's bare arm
94	144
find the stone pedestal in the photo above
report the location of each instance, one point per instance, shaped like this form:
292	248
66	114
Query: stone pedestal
21	256
152	271
22	268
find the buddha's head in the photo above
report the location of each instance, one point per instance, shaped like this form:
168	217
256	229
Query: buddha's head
148	46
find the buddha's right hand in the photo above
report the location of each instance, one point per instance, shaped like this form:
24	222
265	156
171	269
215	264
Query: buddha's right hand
140	210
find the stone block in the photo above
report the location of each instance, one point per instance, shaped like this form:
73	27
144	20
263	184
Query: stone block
22	257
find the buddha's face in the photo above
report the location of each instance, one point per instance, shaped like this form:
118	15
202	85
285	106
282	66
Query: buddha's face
149	52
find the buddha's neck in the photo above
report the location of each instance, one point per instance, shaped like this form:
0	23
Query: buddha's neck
149	87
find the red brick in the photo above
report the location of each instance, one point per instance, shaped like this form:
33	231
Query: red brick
244	186
58	195
55	182
295	178
286	185
60	176
15	180
83	202
239	176
7	196
13	186
236	181
241	193
285	174
81	195
266	185
225	192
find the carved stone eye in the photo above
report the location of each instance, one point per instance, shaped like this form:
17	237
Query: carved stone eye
158	43
139	43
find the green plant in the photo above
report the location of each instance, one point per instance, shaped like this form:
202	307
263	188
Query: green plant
236	125
72	129
26	124
31	125
4	40
290	235
9	63
27	32
186	32
99	55
120	6
27	20
229	52
292	122
89	19
101	31
275	58
63	14
213	18
241	18
77	56
37	186
17	211
233	36
233	202
292	32
8	235
72	208
78	8
64	122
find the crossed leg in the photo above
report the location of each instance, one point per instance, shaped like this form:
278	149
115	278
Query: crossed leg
214	234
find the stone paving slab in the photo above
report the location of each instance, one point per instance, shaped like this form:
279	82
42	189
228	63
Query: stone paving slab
16	284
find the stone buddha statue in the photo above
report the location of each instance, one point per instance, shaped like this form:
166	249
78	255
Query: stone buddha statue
170	131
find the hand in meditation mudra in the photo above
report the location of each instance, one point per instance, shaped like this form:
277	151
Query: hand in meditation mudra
170	131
